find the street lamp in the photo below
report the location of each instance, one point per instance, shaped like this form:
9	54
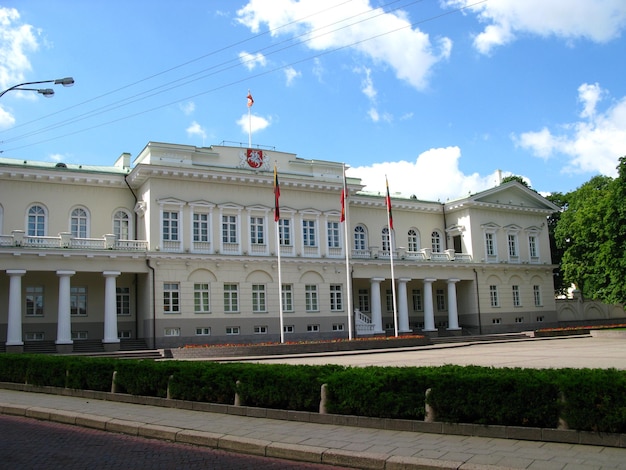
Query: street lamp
47	92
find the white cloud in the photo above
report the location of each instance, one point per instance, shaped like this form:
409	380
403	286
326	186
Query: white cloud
415	178
196	129
254	124
188	108
6	119
251	61
291	74
598	20
593	144
355	25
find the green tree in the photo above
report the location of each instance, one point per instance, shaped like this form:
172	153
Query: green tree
519	179
560	200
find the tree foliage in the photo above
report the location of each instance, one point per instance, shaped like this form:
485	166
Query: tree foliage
591	234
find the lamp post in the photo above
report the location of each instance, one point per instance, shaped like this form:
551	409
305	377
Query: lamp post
47	92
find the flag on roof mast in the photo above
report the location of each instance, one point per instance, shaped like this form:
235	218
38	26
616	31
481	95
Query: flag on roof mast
344	196
388	200
276	196
250	99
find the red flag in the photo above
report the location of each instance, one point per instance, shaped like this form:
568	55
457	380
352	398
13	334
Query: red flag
390	216
250	100
276	196
343	206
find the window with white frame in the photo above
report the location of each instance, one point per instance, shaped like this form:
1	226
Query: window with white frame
287	297
389	300
121	225
78	300
333	234
490	245
360	238
260	330
172	331
284	232
416	297
312	328
231	298
386	241
122	300
309	237
79	223
171	297
34	300
203	331
232	330
493	296
435	238
170	226
289	329
440	296
519	319
516	296
258	298
34	336
257	230
363	300
310	298
229	229
537	295
336	299
413	240
338	327
513	249
200	227
533	247
36	221
124	334
80	335
201	297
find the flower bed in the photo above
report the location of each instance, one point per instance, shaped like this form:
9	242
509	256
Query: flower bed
573	330
290	348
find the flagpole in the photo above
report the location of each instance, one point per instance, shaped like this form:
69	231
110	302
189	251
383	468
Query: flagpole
393	281
250	103
280	276
346	226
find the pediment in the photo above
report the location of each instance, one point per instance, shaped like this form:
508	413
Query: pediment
512	194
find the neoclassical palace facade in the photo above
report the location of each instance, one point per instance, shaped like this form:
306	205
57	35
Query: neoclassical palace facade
180	247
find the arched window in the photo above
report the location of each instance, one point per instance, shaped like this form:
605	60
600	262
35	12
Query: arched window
360	238
121	225
386	240
413	240
36	221
79	223
436	241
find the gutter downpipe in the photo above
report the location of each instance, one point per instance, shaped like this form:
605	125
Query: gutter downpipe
480	322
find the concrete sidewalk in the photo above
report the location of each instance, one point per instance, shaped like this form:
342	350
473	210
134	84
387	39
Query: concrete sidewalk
348	446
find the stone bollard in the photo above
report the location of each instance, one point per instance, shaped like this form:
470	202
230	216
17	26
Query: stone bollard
429	415
237	397
169	395
324	399
113	384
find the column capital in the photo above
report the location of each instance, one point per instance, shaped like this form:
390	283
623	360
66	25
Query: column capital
377	279
404	279
111	273
453	281
66	273
430	280
16	272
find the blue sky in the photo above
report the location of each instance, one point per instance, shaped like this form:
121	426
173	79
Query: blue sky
436	94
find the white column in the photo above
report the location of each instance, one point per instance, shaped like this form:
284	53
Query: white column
429	312
64	321
14	323
377	316
110	307
403	306
453	314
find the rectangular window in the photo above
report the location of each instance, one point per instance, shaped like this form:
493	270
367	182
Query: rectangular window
80	335
389	300
258	298
122	299
312	328
289	329
78	300
490	244
308	233
171	297
34	300
512	245
338	327
310	298
232	330
229	229
519	319
257	230
200	227
231	298
34	336
171	332
170	226
333	235
364	300
287	297
284	232
124	334
537	295
336	300
203	331
516	298
201	298
416	296
441	300
532	246
540	318
260	330
493	296
496	321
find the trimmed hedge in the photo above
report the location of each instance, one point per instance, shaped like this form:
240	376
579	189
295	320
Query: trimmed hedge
586	399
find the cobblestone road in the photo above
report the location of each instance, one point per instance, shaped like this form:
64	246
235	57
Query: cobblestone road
31	444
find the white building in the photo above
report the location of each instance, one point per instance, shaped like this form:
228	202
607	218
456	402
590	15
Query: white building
180	248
